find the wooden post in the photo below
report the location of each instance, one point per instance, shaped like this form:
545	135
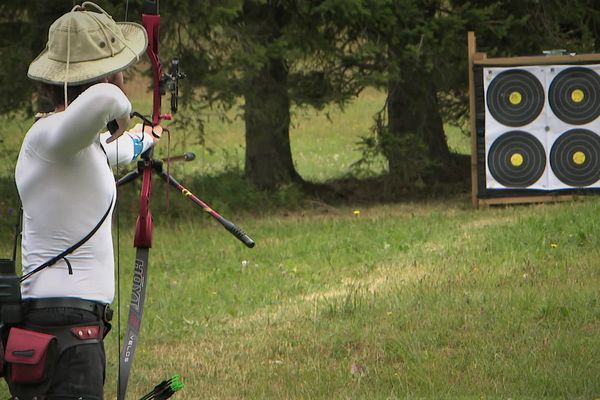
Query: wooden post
474	56
472	47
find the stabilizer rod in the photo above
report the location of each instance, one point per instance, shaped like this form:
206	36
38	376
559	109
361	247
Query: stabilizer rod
230	226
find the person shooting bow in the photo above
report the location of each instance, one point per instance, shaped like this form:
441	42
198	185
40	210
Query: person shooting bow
68	194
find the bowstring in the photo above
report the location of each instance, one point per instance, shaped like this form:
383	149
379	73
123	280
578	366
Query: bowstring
118	278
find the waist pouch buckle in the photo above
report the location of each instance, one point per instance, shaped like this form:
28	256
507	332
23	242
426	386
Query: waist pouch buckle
28	353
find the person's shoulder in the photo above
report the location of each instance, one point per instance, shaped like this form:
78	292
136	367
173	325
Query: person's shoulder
38	131
43	121
104	89
100	96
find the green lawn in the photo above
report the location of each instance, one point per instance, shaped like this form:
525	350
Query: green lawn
429	299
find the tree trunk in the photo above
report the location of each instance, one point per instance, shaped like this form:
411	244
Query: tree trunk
268	162
413	109
267	115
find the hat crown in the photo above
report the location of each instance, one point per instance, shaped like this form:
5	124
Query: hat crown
85	46
93	36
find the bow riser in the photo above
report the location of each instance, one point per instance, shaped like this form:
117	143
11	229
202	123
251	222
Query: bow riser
143	227
151	23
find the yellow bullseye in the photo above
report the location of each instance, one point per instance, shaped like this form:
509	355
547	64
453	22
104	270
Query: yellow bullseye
517	159
515	98
579	157
577	95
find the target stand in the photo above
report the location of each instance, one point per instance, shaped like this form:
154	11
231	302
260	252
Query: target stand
535	127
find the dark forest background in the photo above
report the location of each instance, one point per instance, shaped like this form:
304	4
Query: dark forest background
271	55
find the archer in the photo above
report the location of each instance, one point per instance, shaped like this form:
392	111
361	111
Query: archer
68	193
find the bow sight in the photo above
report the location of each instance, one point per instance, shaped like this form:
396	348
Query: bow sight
170	82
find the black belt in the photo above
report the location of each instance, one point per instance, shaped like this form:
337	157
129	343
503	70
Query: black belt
103	311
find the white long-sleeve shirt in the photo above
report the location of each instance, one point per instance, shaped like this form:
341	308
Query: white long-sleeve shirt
66	186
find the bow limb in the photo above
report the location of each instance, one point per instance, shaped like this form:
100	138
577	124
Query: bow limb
143	230
151	22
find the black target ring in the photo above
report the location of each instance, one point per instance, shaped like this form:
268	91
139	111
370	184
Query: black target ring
574	95
515	97
575	157
517	159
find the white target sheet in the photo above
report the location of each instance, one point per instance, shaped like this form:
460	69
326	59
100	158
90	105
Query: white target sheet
542	127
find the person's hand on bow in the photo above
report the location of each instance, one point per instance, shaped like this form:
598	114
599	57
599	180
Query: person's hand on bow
154	131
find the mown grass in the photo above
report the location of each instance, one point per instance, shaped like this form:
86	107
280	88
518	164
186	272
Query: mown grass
428	299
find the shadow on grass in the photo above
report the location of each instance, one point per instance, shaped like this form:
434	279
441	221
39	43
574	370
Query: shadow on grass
231	194
449	180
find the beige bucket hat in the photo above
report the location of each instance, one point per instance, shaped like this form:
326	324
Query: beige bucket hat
85	46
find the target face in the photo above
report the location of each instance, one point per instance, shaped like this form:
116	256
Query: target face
515	97
574	95
575	157
517	159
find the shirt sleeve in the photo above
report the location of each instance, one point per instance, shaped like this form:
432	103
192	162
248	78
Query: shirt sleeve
127	147
85	117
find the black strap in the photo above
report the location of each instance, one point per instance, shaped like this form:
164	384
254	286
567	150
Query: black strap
17	232
69	267
71	249
105	153
95	307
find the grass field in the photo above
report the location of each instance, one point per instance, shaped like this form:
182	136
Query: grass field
420	299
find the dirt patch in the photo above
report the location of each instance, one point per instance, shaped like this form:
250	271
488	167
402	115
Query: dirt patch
384	279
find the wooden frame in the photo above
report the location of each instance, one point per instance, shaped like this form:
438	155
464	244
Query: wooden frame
473	56
477	58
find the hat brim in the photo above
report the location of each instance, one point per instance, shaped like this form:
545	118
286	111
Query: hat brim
54	72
